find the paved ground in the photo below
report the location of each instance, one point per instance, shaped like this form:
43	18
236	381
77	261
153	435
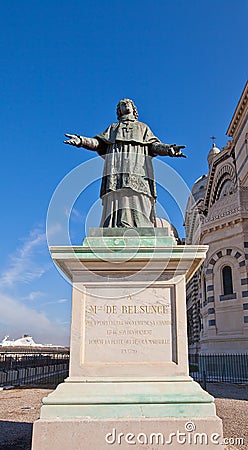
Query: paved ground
19	408
232	407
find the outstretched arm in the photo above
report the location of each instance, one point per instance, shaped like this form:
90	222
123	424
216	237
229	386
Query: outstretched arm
158	148
82	141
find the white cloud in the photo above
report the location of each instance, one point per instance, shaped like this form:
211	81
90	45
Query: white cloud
75	215
17	319
18	314
54	229
23	268
61	300
34	295
67	213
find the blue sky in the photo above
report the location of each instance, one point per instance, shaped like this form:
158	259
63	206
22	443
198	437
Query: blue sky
65	65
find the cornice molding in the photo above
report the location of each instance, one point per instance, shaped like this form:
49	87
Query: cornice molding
237	116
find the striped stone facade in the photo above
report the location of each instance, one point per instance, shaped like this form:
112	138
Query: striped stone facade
217	296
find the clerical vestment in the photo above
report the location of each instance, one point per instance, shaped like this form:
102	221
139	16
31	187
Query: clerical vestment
128	189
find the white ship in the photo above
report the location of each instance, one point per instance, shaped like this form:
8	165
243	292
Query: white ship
25	341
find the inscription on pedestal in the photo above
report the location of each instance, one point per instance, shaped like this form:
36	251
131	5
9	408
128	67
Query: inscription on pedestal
130	328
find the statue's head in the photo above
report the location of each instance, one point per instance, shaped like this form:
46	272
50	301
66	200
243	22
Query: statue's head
126	106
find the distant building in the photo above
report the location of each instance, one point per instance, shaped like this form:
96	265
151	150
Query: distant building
217	216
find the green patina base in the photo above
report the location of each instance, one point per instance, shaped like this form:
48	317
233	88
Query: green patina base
121	238
128	400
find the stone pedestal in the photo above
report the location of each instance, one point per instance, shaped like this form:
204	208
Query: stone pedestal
128	382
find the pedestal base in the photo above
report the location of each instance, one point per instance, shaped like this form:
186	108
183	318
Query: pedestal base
128	382
145	433
128	399
94	415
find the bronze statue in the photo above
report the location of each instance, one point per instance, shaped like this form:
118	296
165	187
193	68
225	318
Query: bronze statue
128	189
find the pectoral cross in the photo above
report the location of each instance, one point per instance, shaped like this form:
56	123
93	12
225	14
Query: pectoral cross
126	128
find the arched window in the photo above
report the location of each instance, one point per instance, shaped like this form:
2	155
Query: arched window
227	280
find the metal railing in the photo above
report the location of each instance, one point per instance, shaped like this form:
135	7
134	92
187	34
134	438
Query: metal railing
27	367
21	368
210	368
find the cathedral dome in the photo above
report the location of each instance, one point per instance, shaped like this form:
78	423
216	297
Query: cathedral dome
212	153
172	231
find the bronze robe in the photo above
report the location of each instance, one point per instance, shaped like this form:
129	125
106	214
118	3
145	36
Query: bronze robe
128	189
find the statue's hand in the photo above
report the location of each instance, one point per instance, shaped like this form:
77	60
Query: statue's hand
175	151
74	140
